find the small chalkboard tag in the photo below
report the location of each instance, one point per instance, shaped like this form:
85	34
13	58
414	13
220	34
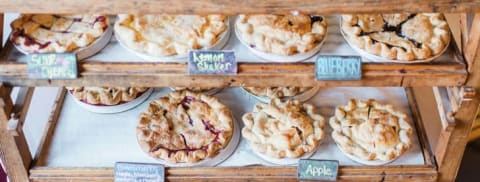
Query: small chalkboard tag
324	170
133	172
212	62
338	68
52	66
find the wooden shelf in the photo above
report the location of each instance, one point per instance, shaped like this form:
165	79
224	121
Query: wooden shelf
115	66
236	7
70	123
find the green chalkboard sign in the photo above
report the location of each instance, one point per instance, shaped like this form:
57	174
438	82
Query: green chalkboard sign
131	172
338	68
212	62
325	170
52	66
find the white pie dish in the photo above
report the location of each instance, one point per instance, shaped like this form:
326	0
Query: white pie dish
85	52
374	58
224	37
299	57
366	162
115	108
286	160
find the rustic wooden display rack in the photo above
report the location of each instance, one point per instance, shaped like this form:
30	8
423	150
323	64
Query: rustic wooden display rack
457	102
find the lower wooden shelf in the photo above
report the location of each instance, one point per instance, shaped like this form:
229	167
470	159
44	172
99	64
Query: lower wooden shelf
75	137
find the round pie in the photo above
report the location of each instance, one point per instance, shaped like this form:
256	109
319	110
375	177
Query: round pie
52	33
277	92
283	129
403	37
185	127
282	34
106	96
370	131
168	35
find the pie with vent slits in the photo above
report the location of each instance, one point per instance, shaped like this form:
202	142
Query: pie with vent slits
404	37
369	130
277	92
106	96
282	34
283	129
168	35
52	33
185	127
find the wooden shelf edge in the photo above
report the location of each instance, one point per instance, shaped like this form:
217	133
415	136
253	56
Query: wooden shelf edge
236	7
255	173
291	74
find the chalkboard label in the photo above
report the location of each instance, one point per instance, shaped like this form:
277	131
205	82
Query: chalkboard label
325	170
338	68
52	66
134	172
212	62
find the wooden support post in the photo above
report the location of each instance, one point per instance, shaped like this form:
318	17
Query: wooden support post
455	146
14	151
472	52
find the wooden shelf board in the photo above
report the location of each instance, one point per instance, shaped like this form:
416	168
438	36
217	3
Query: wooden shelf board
236	7
252	173
294	74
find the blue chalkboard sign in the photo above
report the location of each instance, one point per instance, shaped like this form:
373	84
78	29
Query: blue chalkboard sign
338	68
324	170
52	66
132	172
212	62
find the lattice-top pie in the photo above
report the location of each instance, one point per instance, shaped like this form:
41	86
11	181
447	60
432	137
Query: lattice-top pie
42	33
283	129
106	96
166	35
371	131
398	36
277	92
282	34
185	127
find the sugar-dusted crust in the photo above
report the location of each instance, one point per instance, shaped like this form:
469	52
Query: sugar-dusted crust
404	37
106	95
370	130
52	33
185	127
283	129
282	34
168	35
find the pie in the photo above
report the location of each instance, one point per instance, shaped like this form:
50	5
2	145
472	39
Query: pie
369	130
277	92
403	37
281	34
52	33
194	89
106	96
185	127
283	129
168	35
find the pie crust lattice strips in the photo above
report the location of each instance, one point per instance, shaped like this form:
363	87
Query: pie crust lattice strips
168	35
277	92
404	37
106	95
51	33
371	131
283	129
185	127
282	34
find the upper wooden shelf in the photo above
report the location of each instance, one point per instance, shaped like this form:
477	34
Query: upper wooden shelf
115	66
236	7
